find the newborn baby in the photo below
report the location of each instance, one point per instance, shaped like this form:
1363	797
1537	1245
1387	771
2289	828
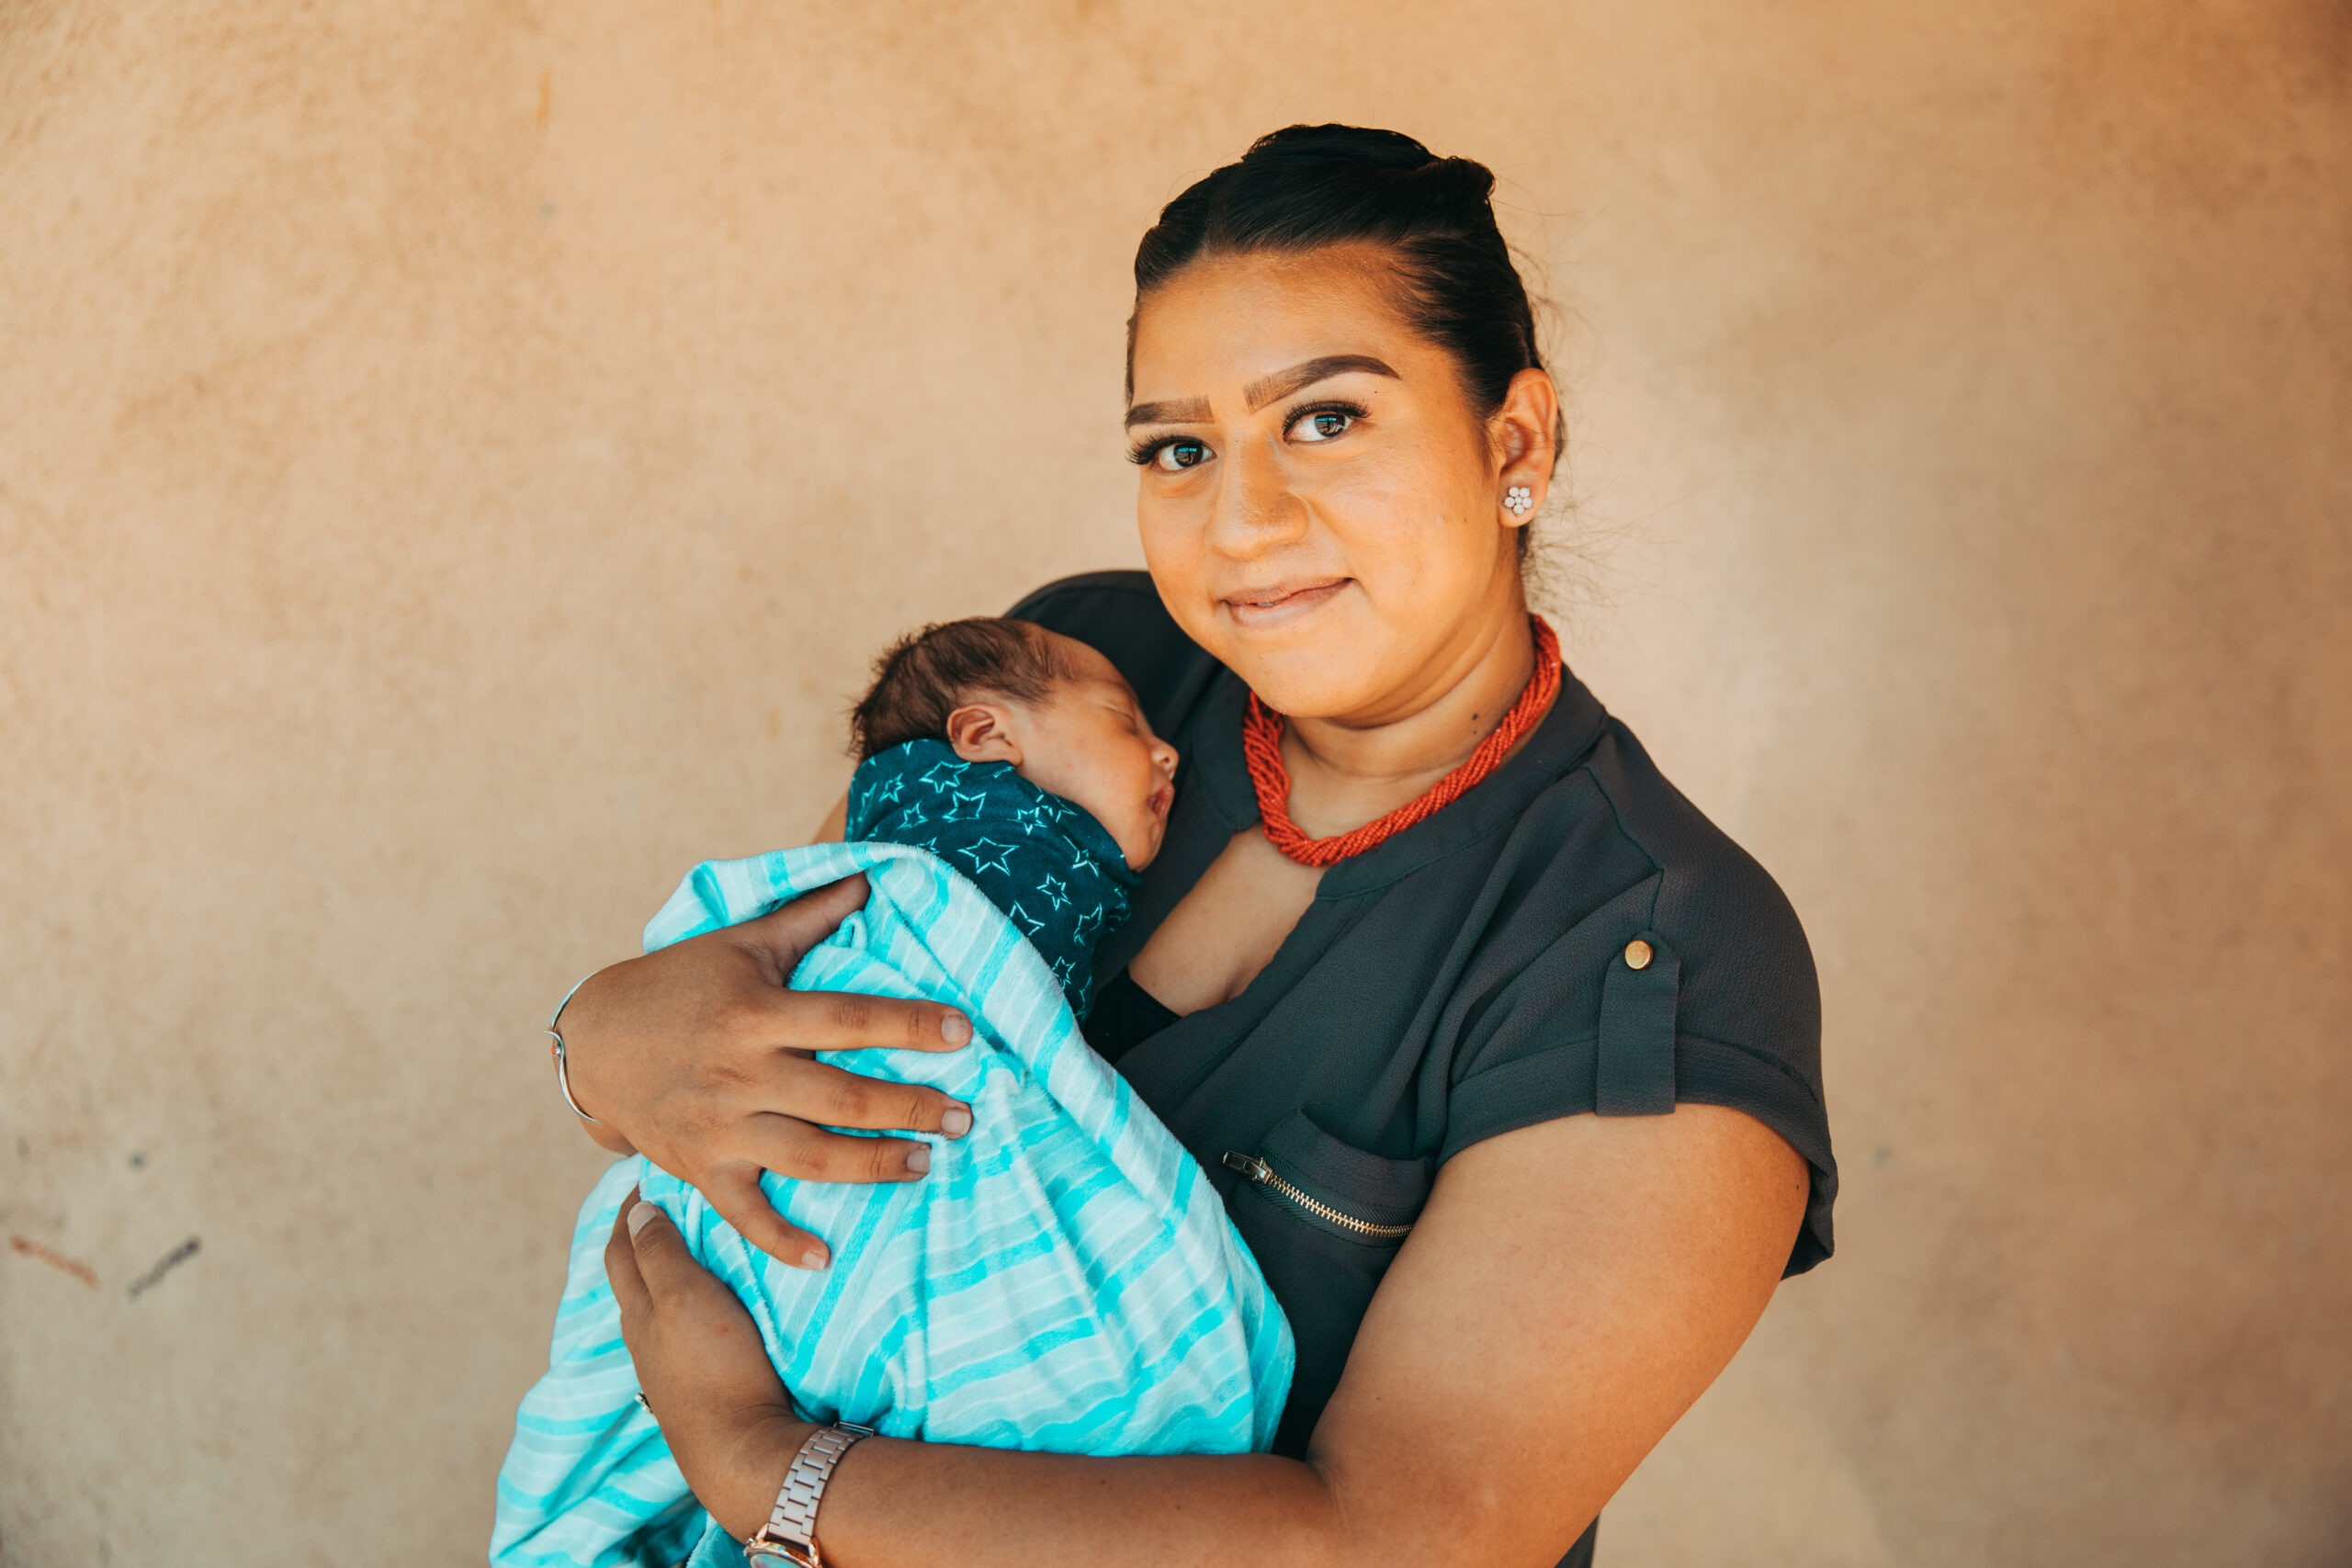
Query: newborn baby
1022	758
1065	1278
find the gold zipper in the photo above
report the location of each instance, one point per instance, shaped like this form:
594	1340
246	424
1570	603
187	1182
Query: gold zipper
1261	1173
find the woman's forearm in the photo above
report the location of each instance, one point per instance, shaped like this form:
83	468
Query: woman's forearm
913	1504
705	1375
1497	1394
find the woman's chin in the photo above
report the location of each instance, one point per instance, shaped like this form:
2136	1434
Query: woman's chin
1313	667
1298	689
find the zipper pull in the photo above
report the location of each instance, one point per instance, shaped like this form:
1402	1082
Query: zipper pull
1257	1170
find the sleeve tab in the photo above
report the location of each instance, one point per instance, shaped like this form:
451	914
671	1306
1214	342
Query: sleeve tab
1633	1063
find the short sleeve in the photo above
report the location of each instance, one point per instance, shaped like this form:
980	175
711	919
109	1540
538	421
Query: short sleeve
1695	986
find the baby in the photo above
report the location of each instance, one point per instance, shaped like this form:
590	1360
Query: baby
1065	1278
1022	758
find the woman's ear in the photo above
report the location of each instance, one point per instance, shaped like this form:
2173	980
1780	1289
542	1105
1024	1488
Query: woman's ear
1524	430
983	732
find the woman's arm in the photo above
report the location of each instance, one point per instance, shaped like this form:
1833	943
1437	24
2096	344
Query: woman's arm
699	1057
1569	1290
835	826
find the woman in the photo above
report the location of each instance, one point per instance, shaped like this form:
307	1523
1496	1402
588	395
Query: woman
1506	1059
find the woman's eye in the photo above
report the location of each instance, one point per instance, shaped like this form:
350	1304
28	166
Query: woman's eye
1322	424
1179	454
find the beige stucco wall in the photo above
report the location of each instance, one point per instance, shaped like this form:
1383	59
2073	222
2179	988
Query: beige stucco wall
456	460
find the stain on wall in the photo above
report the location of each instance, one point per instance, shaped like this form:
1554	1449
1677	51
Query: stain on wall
455	465
71	1267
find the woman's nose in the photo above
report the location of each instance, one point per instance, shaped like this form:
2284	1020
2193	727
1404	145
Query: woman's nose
1254	504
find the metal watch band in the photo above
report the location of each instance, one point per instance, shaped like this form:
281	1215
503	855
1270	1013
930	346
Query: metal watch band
790	1534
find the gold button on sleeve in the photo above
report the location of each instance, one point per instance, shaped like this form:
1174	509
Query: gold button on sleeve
1637	954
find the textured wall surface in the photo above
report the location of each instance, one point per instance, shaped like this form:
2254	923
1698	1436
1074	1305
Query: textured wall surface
455	462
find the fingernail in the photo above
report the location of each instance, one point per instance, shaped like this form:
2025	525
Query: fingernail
955	1120
918	1159
640	1216
814	1258
955	1029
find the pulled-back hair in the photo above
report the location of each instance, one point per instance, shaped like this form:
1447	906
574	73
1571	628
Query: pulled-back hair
1309	186
920	680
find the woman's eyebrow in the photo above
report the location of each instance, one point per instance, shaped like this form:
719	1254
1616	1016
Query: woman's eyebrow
1264	391
1283	383
1176	410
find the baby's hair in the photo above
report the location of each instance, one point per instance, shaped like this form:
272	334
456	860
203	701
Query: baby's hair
920	680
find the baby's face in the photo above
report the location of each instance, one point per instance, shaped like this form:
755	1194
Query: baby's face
1089	742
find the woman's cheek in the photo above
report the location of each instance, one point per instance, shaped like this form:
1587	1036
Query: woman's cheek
1374	506
1175	555
1372	538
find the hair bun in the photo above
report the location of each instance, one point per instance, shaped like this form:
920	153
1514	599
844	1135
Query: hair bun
1342	143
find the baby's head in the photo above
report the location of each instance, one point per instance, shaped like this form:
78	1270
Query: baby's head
1002	691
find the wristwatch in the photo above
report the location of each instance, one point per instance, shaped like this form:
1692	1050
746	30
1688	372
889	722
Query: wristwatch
790	1534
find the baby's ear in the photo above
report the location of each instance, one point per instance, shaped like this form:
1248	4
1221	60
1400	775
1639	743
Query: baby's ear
983	732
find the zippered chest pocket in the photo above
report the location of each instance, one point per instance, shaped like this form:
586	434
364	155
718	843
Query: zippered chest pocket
1265	1176
1323	1219
1333	1185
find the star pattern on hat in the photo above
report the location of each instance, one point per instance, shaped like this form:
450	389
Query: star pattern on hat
1054	889
962	807
944	776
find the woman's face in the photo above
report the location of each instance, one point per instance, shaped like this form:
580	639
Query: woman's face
1321	503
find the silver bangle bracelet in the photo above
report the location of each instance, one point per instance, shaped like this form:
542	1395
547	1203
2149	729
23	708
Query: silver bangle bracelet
555	1049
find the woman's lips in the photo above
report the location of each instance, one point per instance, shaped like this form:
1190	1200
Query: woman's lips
1281	603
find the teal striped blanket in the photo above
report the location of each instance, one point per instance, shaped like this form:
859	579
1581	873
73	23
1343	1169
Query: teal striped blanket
1065	1279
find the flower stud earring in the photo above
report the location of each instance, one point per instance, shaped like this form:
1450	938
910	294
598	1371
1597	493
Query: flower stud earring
1521	499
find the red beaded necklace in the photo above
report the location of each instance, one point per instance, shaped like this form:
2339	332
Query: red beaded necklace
1262	747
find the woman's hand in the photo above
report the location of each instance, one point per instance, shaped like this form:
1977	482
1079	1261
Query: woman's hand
705	1375
699	1057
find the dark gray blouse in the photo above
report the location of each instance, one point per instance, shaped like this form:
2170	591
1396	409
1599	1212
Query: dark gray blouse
1571	936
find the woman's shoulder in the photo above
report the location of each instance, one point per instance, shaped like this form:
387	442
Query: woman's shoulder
1747	970
1709	991
1123	585
1120	615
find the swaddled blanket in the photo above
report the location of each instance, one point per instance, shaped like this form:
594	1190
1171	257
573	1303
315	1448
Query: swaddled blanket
1065	1279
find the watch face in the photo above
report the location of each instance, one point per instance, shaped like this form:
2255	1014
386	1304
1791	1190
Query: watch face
775	1554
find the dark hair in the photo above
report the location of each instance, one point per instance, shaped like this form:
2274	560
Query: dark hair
1308	185
920	680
